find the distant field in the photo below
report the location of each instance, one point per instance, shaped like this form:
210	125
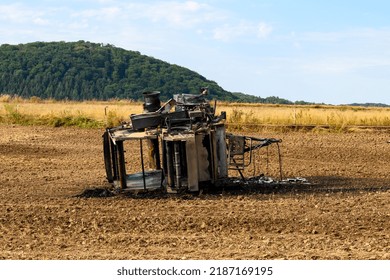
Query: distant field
331	117
100	114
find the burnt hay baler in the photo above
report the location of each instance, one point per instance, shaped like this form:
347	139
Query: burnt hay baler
183	146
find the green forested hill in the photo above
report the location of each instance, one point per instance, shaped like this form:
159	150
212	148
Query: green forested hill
83	70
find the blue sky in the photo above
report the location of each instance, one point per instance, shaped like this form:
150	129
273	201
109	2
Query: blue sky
328	51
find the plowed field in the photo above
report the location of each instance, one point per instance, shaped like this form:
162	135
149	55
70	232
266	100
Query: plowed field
343	214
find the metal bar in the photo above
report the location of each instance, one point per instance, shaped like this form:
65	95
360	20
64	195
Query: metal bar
267	161
254	164
157	153
170	172
228	150
213	156
107	156
142	163
221	151
164	156
280	163
114	156
250	153
239	170
176	146
122	164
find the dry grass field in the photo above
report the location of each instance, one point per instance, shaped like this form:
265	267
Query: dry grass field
343	214
100	114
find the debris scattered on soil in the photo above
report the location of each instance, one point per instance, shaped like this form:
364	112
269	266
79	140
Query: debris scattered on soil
96	192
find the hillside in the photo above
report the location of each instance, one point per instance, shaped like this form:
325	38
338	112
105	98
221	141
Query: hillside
83	70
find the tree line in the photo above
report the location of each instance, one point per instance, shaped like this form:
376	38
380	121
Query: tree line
84	71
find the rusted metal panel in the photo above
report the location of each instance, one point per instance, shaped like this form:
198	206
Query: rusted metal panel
122	135
178	136
213	156
192	164
203	161
220	135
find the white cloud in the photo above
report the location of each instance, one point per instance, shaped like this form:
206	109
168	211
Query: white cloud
343	65
264	30
78	25
328	66
159	18
40	21
181	14
244	29
17	13
175	14
343	51
352	35
107	13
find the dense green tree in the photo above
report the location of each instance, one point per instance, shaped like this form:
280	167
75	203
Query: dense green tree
83	70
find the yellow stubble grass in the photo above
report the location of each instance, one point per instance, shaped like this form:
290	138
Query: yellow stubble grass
237	113
306	115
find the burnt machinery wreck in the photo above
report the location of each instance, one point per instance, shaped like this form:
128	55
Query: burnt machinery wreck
183	147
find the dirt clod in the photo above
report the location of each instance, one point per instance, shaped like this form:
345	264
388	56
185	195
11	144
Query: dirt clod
47	173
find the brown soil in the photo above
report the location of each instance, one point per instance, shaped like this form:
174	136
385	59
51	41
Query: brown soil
343	214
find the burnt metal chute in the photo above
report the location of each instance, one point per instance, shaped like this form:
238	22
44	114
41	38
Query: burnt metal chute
182	144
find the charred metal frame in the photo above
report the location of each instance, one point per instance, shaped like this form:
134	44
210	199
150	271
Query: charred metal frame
188	147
